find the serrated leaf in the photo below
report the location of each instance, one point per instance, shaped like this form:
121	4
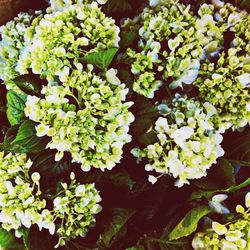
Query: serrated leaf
25	140
15	107
189	223
101	59
27	84
115	225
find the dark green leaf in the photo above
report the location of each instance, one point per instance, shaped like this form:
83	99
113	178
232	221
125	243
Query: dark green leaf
145	117
115	178
189	223
50	170
27	84
199	194
101	59
115	225
219	176
25	140
15	107
128	38
126	77
117	7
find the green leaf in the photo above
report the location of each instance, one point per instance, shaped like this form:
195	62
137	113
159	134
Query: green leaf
114	226
127	39
189	223
199	194
219	176
117	178
117	7
8	241
27	84
25	140
50	170
146	115
101	59
15	107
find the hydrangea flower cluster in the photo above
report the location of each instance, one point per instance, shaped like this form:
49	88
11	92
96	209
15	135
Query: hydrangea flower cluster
188	143
210	51
172	42
95	128
21	205
75	206
59	5
16	34
20	196
233	235
62	38
225	82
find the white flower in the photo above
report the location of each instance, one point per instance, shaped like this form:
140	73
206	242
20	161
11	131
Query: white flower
225	245
219	228
211	110
102	1
244	79
219	198
247	200
174	43
35	177
161	125
80	191
42	130
112	78
9	187
197	243
152	179
181	135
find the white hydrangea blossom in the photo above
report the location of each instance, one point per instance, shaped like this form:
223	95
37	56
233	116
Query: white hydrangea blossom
188	143
59	5
75	207
20	201
233	235
94	128
15	35
225	83
66	36
172	43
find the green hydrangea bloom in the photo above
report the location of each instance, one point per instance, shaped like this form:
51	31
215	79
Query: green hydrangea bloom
75	207
172	42
234	235
188	143
62	38
95	128
20	201
225	83
16	34
59	5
